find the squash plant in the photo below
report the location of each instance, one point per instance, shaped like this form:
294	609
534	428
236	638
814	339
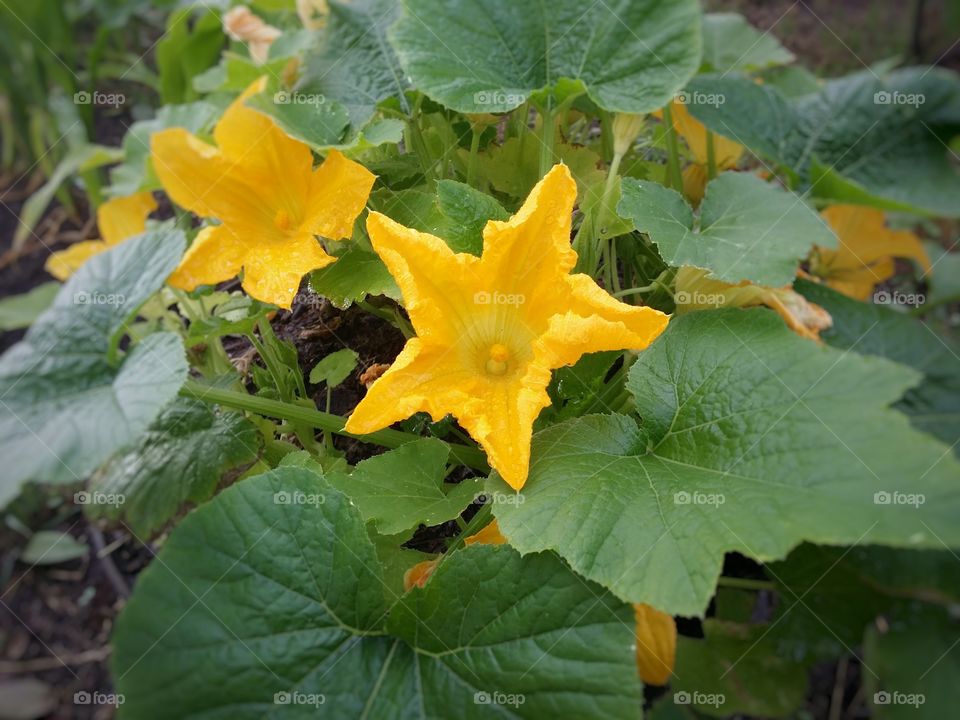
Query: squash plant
643	269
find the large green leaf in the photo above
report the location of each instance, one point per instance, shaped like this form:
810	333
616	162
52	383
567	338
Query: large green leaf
262	609
404	487
66	404
358	272
491	55
730	43
748	229
934	404
179	460
308	117
862	138
19	311
753	439
352	62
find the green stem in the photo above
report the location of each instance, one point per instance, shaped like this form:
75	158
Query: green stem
745	583
546	147
477	522
470	456
474	156
673	151
711	157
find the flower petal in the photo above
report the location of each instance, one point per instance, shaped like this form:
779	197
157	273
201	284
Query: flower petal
656	644
215	255
64	263
338	192
726	152
489	535
437	284
199	178
525	254
124	217
273	269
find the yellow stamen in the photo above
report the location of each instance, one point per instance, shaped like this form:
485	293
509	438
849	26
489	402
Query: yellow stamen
497	359
282	220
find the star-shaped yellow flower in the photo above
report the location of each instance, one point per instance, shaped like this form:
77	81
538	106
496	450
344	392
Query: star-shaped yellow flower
260	183
490	329
867	248
118	219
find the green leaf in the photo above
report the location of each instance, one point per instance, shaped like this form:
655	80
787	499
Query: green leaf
945	283
352	62
49	547
308	117
492	55
748	229
180	459
873	141
404	487
334	368
737	670
67	404
934	405
916	665
20	311
753	440
358	272
730	44
293	613
185	50
226	314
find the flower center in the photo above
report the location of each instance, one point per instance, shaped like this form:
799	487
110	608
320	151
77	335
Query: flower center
497	357
282	220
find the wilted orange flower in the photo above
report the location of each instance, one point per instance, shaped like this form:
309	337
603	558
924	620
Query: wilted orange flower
490	329
260	183
242	25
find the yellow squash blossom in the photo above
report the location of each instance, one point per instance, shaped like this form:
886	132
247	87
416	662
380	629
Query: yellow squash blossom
260	183
118	219
867	248
695	291
490	329
726	153
656	644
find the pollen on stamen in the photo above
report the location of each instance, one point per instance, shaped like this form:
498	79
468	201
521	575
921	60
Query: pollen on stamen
282	220
497	358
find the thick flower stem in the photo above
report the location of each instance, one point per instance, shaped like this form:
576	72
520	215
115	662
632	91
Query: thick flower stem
469	456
